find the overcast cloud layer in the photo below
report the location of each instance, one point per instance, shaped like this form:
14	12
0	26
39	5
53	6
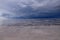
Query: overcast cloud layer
29	8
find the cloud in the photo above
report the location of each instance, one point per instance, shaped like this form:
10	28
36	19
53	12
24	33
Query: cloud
28	8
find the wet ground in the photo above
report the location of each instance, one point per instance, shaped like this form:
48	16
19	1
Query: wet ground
30	29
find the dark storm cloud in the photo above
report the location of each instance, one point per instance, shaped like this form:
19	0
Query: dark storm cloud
29	8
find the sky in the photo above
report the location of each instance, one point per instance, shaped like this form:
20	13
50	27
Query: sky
29	9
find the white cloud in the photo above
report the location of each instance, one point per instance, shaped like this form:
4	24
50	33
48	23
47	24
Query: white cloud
13	6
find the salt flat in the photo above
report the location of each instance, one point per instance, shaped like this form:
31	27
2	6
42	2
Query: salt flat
30	29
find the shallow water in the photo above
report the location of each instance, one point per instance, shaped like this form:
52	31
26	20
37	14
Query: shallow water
30	29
